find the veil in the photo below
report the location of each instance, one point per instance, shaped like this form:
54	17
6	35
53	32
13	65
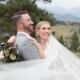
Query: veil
60	64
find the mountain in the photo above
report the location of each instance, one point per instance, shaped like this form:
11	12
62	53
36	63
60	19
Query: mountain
66	17
72	14
56	9
75	11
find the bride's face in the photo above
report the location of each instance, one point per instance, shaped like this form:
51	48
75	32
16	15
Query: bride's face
44	31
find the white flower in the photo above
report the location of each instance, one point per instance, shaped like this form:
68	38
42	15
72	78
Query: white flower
1	55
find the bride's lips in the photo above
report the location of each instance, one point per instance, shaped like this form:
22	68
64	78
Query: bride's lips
46	35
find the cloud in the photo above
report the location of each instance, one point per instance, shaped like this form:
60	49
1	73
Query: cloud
63	3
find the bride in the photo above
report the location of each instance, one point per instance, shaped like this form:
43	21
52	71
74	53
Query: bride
60	63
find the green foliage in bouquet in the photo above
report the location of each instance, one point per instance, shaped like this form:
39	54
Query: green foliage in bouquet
11	53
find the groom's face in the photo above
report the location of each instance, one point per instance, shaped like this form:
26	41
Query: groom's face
27	23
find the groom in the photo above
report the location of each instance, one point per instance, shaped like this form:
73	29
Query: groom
24	25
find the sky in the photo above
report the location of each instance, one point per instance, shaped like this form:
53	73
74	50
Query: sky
67	4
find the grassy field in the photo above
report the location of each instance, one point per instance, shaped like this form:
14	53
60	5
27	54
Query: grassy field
66	31
77	53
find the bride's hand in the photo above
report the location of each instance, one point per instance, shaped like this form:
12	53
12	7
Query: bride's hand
33	41
42	55
11	39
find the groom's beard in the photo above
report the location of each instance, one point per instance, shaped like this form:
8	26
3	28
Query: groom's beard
28	28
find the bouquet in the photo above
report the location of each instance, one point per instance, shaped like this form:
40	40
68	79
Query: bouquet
10	53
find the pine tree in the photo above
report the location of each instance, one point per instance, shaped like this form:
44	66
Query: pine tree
13	6
74	41
61	40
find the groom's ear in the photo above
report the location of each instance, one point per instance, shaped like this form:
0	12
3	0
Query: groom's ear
19	25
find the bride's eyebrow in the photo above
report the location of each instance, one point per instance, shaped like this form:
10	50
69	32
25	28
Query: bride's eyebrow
49	28
46	28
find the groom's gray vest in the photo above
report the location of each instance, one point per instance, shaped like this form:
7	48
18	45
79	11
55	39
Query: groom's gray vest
26	49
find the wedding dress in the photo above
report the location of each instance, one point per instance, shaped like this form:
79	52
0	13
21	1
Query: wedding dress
60	64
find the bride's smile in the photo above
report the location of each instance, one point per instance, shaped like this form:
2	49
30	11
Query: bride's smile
44	31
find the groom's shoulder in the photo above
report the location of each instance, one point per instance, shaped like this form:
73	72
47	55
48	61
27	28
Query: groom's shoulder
22	39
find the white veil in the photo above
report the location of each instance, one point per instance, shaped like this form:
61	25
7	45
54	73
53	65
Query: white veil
60	64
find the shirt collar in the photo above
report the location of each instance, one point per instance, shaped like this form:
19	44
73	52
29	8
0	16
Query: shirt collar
24	33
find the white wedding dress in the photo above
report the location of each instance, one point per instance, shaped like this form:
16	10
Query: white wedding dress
60	64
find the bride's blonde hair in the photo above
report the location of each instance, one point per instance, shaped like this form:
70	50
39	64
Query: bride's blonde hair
39	25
